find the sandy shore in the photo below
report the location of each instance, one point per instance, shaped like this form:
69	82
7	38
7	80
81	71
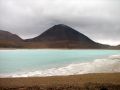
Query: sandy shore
110	81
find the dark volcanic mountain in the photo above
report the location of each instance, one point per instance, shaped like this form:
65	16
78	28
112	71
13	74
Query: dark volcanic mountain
62	36
61	33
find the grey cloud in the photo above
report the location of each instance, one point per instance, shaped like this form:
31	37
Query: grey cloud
98	19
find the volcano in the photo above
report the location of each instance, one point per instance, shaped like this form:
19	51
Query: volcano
63	36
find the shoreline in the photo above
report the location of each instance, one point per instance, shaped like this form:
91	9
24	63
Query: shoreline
49	76
55	49
74	81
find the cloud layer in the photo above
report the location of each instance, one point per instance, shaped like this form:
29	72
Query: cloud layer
98	19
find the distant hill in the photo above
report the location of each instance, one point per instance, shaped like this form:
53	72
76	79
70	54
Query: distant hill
5	35
58	36
118	47
8	39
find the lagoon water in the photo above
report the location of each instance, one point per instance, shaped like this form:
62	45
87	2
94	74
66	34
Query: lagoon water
52	62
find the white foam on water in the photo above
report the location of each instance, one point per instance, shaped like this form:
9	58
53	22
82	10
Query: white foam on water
107	65
114	57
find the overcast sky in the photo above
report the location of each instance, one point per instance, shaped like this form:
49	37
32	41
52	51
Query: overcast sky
98	19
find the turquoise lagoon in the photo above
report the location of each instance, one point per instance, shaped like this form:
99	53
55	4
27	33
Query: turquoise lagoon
53	62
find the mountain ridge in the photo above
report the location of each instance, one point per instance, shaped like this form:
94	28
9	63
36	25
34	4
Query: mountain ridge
9	36
58	36
9	40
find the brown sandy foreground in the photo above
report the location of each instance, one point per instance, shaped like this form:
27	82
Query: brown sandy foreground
109	81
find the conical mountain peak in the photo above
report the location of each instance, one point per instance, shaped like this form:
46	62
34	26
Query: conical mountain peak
62	32
61	25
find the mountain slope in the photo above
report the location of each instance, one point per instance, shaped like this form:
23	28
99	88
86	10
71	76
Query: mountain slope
5	35
8	39
62	36
61	32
